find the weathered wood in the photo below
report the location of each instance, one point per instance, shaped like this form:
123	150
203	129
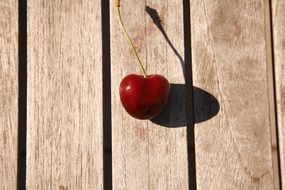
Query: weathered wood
8	93
64	139
278	19
148	155
233	149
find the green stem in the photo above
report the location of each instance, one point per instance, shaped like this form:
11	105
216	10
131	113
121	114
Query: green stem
129	39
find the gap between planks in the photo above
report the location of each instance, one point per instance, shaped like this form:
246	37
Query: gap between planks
271	90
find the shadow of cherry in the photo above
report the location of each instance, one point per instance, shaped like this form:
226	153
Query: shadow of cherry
206	106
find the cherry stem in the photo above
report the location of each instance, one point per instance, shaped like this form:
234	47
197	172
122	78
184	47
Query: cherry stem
129	39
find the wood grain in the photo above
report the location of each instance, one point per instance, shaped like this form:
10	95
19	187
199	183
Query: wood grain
278	19
148	155
64	139
8	93
229	47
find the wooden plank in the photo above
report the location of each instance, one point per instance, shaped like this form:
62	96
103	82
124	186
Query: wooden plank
278	19
148	155
8	93
229	48
64	137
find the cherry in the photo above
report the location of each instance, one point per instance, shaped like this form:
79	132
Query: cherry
143	96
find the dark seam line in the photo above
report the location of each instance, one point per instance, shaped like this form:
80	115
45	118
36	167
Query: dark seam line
274	92
189	94
107	122
22	93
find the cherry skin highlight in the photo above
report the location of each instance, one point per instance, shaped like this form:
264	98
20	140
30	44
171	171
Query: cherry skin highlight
144	98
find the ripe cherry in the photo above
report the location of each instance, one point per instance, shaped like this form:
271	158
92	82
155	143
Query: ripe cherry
143	96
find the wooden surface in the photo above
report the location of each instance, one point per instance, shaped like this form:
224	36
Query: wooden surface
8	93
230	61
278	19
64	139
148	155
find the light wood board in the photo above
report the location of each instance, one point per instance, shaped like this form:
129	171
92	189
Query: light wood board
230	61
148	155
278	19
8	93
64	140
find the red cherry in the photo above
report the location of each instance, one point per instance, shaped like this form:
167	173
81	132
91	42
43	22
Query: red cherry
144	98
